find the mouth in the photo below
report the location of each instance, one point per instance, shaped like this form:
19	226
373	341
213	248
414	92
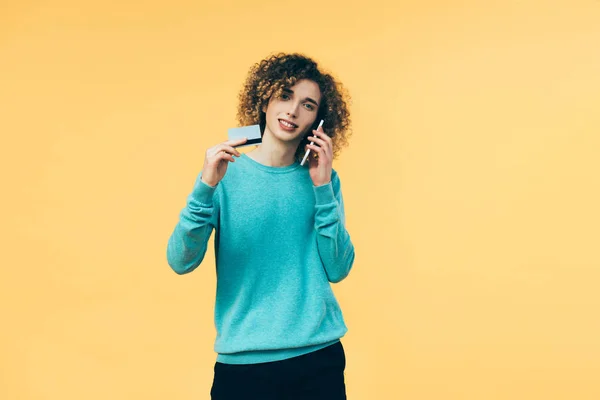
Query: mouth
287	125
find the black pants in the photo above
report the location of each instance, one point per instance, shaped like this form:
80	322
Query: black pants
316	376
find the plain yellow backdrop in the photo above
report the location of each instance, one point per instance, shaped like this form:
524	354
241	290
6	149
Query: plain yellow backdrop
471	188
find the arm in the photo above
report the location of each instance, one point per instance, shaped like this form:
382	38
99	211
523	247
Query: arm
333	241
188	242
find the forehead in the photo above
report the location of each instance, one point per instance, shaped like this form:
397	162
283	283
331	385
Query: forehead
306	87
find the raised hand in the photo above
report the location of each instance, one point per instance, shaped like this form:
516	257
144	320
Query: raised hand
217	159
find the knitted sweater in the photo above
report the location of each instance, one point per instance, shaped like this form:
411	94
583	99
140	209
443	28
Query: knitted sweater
279	243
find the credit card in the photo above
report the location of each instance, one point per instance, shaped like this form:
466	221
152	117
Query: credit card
252	132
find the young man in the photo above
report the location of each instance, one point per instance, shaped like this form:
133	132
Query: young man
280	238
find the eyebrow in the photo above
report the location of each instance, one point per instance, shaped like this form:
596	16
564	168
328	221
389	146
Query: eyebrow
307	99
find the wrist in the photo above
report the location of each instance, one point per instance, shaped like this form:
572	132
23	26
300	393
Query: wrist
317	184
212	185
324	194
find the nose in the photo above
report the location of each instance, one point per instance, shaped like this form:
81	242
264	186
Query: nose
292	111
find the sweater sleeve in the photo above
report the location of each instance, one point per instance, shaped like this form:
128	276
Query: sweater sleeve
333	240
188	242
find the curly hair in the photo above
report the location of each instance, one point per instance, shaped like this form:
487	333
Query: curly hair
278	71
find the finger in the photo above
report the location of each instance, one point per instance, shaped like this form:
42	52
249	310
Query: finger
222	155
235	142
326	144
317	140
231	150
322	134
316	149
227	148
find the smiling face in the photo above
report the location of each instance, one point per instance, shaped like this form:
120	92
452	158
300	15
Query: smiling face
298	105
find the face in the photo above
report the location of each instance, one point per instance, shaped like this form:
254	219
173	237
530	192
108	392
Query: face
297	105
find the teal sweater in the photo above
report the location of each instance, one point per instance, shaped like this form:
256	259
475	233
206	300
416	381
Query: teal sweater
279	243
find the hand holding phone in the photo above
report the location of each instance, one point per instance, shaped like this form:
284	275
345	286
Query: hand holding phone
308	151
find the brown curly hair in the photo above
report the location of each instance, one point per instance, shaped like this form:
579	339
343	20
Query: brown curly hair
278	71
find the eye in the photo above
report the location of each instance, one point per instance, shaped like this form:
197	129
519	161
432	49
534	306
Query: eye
284	96
310	107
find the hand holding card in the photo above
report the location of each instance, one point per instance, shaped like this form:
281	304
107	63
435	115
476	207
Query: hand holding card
217	159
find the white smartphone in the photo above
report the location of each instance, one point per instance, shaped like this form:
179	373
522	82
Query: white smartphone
308	151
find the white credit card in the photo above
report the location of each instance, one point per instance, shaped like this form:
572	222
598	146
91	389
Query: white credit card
252	132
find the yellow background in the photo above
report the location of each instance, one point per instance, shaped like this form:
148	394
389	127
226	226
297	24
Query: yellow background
471	187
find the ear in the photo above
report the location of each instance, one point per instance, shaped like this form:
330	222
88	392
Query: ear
264	108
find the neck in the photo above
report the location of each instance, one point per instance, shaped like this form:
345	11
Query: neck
275	153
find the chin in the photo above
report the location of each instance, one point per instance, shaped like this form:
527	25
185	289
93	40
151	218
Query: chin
286	138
